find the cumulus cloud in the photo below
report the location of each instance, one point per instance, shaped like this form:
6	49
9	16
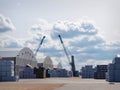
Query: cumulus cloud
81	38
9	42
6	24
70	29
92	62
87	41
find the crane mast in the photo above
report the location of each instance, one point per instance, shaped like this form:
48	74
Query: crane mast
39	45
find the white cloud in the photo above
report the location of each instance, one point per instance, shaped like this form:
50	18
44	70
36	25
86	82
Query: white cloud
9	42
70	29
6	24
81	38
92	62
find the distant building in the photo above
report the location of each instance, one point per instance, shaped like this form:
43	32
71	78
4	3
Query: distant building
48	63
22	57
100	72
40	64
113	73
59	73
59	66
13	62
87	71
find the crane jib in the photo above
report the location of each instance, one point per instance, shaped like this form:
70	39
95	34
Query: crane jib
42	40
60	38
64	48
39	45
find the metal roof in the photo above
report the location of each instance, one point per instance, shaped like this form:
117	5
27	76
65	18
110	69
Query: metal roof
8	53
23	56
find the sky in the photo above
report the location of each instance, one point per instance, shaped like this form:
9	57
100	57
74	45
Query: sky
89	28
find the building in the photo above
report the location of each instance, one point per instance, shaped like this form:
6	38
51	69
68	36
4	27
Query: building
48	63
8	69
14	61
59	66
100	72
87	71
59	73
113	73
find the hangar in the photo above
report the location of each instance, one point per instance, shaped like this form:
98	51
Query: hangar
12	62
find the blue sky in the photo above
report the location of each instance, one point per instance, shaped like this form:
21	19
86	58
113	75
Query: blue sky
90	28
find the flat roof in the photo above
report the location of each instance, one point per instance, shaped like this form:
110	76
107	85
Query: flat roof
9	52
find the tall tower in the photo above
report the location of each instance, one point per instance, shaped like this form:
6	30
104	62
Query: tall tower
73	65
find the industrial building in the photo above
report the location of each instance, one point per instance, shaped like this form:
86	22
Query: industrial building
113	74
8	70
59	73
27	73
13	63
51	70
59	65
48	63
100	72
87	71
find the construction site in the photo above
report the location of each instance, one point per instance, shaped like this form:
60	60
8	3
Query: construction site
21	69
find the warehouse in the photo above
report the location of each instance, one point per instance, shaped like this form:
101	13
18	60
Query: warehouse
53	70
48	63
13	62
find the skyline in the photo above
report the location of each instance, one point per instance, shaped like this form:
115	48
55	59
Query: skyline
90	29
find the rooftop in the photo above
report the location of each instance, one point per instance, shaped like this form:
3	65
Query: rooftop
9	52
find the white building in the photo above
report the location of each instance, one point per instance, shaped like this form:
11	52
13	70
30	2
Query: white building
48	63
22	57
13	61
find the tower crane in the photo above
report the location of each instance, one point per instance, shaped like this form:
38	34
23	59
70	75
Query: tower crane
71	61
39	45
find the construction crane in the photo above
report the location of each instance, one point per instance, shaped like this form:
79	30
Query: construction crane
71	61
29	65
64	48
39	45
